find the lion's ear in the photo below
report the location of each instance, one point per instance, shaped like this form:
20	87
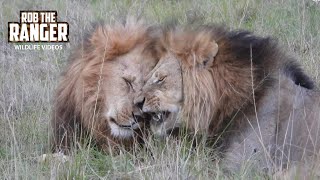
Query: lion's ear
208	59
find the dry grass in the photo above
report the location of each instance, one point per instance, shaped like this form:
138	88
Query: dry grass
28	79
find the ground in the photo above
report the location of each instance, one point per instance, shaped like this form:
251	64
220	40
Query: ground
28	79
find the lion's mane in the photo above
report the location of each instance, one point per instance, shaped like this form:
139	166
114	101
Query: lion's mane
216	87
79	98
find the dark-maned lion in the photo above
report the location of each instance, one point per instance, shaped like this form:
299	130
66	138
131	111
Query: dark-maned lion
236	84
95	95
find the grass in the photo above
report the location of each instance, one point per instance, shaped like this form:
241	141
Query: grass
28	79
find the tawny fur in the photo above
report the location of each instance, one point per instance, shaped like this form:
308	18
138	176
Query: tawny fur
217	81
80	101
249	79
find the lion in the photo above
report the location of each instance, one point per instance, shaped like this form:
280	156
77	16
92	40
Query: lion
236	86
95	95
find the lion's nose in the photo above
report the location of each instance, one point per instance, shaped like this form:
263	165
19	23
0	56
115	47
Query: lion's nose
139	102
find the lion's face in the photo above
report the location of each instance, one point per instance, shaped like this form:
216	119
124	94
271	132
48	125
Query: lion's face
162	94
171	92
177	89
97	90
123	81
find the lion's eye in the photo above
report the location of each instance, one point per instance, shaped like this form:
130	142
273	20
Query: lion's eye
128	82
161	79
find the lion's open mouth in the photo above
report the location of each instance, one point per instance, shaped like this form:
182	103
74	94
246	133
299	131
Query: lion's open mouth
160	116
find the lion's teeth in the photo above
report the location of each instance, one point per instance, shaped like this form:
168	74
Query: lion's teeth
155	118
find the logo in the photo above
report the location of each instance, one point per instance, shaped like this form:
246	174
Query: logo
38	26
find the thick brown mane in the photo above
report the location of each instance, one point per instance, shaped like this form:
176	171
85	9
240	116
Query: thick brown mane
215	86
238	87
80	97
